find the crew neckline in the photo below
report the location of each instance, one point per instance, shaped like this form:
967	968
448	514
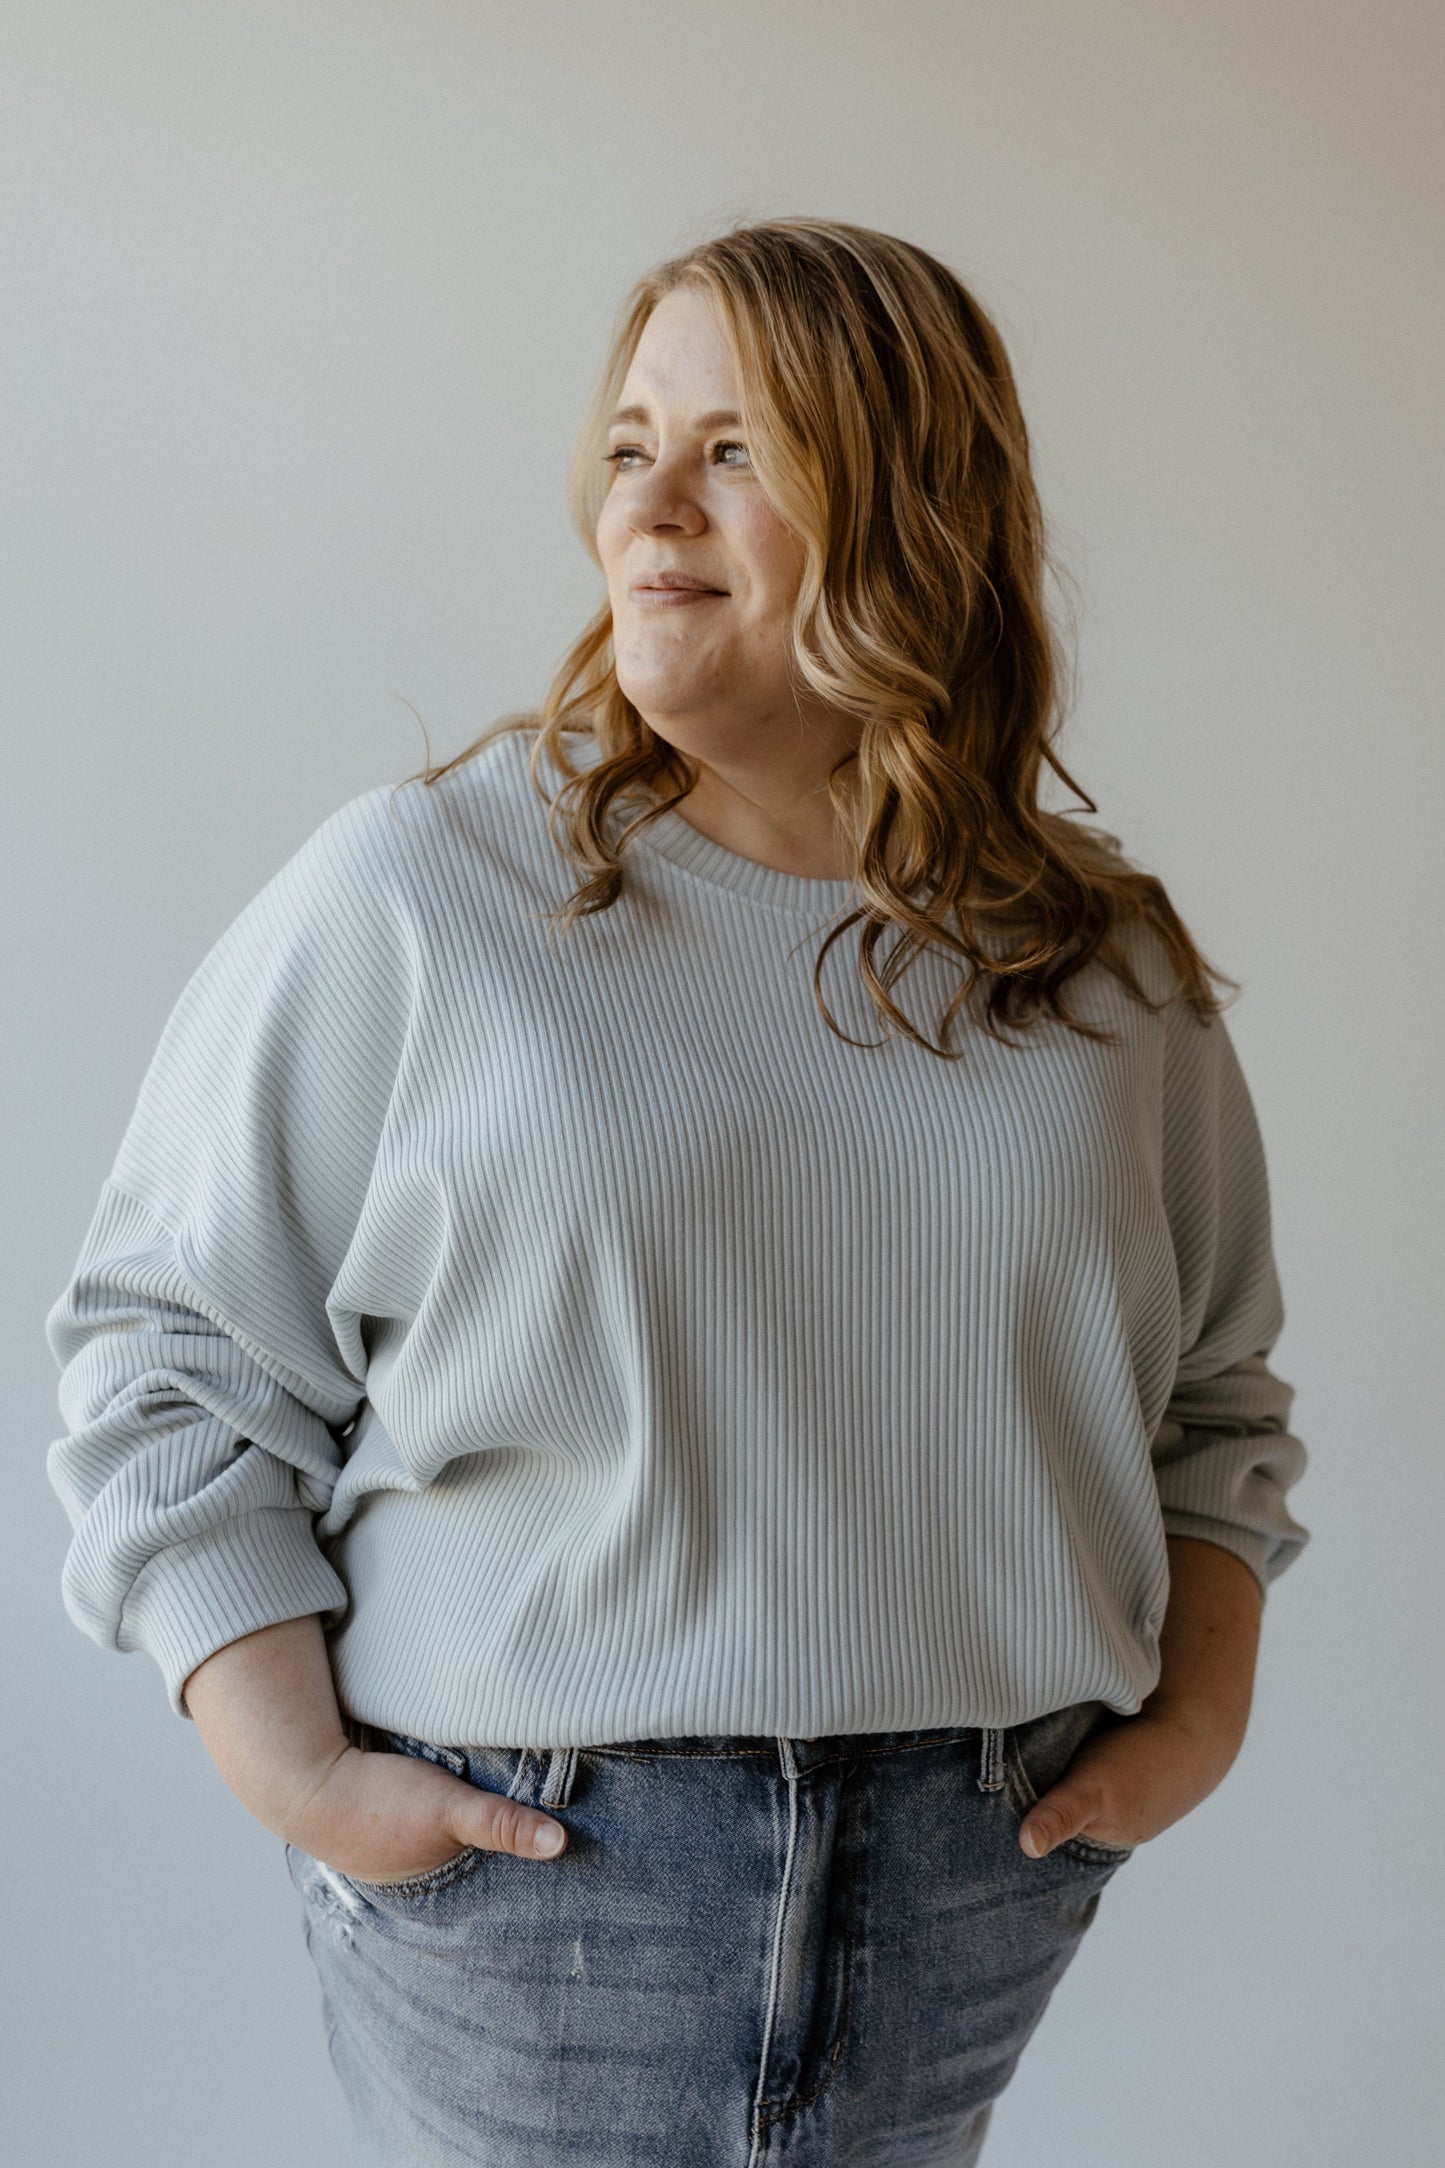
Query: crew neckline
672	837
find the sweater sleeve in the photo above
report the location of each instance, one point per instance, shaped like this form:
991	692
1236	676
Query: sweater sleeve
1223	1453
208	1372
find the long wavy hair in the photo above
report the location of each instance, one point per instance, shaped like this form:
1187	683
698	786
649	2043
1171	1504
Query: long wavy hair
884	427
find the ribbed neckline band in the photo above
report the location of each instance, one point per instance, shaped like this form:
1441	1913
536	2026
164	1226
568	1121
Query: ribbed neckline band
674	838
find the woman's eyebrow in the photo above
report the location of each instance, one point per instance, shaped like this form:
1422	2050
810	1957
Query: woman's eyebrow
719	418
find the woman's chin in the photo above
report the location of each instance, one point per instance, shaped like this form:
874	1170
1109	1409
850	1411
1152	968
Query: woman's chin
663	697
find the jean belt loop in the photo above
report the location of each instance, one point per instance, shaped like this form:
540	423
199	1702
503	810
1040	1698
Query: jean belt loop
561	1770
360	1733
990	1758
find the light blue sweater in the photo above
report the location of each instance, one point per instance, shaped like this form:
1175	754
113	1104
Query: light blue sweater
607	1350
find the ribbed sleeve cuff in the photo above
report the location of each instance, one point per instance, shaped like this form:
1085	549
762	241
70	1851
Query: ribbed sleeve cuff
193	1598
1230	1489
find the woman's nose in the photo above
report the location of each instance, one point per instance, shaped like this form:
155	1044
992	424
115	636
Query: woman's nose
662	499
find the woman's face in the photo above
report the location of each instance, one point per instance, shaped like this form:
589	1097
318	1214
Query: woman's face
709	670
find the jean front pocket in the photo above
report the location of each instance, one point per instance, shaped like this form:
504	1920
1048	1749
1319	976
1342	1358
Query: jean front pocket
1036	1756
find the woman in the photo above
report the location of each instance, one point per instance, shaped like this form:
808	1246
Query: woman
672	1365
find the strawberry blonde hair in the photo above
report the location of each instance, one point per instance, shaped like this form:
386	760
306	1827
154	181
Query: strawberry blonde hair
884	427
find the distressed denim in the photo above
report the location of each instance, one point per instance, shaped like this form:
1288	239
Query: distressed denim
753	1950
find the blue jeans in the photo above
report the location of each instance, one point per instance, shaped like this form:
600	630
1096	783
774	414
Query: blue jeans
811	1951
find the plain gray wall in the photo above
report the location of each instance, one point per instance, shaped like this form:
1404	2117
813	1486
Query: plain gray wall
300	305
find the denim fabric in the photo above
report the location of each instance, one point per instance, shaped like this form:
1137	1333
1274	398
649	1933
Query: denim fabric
811	1951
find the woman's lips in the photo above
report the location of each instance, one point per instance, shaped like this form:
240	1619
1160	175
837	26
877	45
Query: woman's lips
670	597
671	584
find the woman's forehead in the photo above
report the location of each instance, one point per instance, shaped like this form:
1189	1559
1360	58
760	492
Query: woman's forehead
682	357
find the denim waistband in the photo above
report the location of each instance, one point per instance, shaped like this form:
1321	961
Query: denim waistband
797	1755
551	1769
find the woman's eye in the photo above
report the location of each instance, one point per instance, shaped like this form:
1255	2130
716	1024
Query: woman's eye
624	454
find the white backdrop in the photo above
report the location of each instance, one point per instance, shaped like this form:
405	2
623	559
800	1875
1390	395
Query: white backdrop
300	304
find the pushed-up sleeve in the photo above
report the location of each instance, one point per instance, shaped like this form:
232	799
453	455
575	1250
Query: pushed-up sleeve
207	1373
1223	1454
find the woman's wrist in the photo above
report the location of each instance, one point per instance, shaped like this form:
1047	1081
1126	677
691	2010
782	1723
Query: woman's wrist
266	1708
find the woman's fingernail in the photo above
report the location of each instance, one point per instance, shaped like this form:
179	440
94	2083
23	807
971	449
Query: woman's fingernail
550	1837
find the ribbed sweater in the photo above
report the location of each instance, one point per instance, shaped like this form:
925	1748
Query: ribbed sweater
607	1349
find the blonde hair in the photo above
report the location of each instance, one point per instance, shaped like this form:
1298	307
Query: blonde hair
884	427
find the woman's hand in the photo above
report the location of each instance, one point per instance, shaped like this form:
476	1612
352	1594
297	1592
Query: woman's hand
1132	1780
265	1706
385	1817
